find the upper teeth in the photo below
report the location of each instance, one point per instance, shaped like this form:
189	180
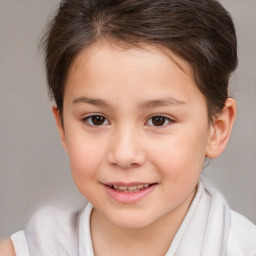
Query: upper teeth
131	188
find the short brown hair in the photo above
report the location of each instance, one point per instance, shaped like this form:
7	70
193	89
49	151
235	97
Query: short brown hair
199	31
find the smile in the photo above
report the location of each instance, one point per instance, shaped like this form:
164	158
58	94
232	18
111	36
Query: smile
129	193
129	189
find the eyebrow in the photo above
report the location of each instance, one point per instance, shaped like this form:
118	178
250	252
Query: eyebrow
145	104
161	102
96	102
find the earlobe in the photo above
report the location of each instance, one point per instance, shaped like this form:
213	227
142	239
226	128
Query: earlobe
59	125
221	129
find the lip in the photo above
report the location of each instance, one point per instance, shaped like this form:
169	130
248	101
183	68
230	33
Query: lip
128	198
129	184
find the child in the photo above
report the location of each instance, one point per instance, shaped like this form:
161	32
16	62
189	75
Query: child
141	93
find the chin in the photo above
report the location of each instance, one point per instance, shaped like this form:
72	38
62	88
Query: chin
130	221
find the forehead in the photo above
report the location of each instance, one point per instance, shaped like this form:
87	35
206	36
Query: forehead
102	50
146	70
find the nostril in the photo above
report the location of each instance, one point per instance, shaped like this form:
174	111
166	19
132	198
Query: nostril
128	162
125	165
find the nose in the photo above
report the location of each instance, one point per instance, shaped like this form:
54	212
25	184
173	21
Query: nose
126	149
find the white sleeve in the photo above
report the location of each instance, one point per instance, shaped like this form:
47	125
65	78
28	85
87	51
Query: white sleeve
20	243
242	236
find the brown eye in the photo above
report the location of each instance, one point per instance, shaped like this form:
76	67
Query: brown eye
96	120
158	120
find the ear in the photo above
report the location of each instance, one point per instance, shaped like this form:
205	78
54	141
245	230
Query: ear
221	129
60	126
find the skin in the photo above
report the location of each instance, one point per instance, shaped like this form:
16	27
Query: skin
127	89
6	248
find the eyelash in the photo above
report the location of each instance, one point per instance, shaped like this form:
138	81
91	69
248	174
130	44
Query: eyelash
166	119
88	120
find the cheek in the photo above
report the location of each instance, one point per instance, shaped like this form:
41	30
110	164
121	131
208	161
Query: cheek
84	164
180	156
84	158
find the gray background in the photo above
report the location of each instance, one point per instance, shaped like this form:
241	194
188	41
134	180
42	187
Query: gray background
34	168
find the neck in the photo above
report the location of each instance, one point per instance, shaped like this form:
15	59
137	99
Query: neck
154	239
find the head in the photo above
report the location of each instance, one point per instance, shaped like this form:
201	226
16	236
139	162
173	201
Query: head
200	32
141	92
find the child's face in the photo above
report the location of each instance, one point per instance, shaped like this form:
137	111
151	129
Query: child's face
134	118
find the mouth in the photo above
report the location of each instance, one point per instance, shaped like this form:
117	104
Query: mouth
127	193
129	189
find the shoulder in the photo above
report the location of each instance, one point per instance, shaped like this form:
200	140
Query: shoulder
242	236
53	221
53	229
6	248
52	217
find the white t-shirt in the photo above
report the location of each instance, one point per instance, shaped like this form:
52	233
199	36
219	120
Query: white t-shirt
210	228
